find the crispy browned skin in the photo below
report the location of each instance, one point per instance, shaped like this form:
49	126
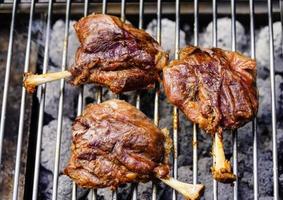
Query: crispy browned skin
115	54
114	143
214	88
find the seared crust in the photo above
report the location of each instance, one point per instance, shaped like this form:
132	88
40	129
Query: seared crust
114	143
131	56
214	88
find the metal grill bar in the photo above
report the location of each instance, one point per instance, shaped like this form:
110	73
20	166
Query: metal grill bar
22	109
214	44
157	86
93	195
195	144
61	102
141	13
104	7
80	105
123	18
42	104
7	78
234	133
99	88
175	109
74	191
187	7
233	25
214	23
254	123
114	195
273	104
158	38
42	91
123	10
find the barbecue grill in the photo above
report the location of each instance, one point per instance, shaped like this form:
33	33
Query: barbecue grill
29	189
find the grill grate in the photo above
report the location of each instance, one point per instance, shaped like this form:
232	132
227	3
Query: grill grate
254	123
175	114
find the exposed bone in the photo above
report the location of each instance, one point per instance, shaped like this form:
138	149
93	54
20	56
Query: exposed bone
33	80
221	170
189	191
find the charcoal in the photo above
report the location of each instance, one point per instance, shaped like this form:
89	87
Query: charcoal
224	37
57	43
262	50
265	173
264	112
168	30
266	198
64	190
279	98
48	145
65	185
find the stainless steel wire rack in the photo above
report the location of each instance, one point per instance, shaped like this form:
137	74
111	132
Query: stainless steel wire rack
176	8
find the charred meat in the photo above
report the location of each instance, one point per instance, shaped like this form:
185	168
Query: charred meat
216	90
111	53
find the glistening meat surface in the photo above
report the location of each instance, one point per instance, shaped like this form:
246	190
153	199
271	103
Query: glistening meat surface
213	87
112	54
115	54
114	143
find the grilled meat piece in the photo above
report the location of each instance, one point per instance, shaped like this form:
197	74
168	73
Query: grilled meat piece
116	54
213	87
114	143
216	90
112	54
